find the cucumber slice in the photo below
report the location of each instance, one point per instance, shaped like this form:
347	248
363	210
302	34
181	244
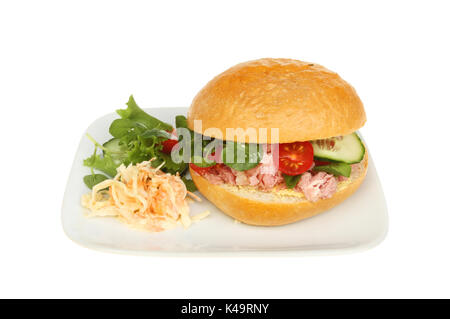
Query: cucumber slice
114	146
116	150
347	149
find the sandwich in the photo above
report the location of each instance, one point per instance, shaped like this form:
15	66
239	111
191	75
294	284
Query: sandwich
303	119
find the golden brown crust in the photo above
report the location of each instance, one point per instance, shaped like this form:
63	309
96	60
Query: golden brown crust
253	211
305	101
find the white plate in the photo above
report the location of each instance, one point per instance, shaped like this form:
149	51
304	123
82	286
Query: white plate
358	223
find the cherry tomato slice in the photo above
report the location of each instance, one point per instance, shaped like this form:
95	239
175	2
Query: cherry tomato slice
295	158
168	146
200	170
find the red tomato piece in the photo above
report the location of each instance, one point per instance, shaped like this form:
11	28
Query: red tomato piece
200	170
168	146
295	158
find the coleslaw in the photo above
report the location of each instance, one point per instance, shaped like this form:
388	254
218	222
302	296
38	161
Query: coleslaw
143	197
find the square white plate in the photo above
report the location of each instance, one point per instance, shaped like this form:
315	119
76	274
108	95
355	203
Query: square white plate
358	223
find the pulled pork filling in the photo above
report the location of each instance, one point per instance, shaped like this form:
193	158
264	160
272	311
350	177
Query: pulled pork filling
267	177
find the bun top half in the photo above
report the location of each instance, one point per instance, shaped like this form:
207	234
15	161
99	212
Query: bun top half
305	101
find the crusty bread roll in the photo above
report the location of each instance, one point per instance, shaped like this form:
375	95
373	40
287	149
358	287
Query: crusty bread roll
255	207
305	101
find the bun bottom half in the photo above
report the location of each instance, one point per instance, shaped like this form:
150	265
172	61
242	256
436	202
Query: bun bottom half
254	207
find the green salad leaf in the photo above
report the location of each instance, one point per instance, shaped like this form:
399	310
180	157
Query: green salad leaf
190	186
291	181
103	163
250	156
135	113
337	169
155	133
121	127
94	179
169	165
181	121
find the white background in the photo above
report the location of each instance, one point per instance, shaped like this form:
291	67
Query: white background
65	63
